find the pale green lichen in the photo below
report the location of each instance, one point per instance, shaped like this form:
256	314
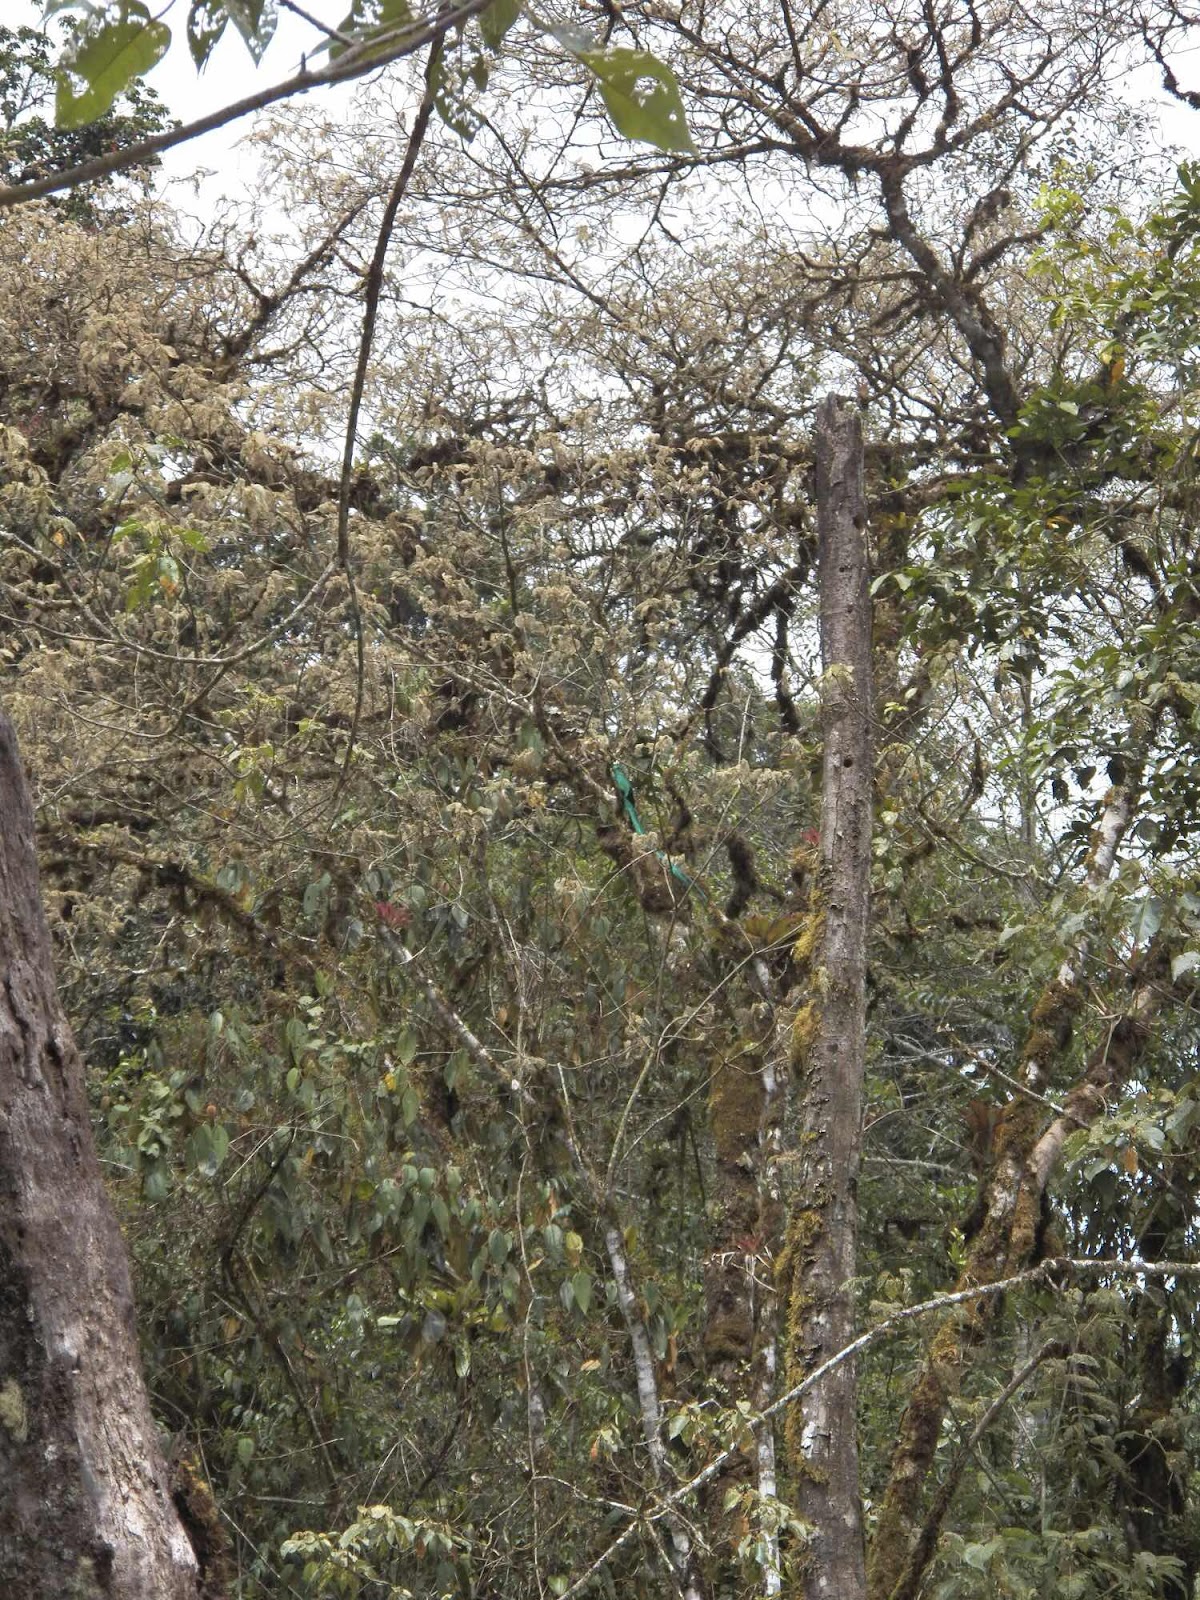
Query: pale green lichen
85	1585
13	1416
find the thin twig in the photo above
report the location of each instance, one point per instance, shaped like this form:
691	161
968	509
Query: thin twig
333	34
372	295
927	1538
451	1020
1048	1272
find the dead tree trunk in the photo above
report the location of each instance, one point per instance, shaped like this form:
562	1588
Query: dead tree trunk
828	1049
84	1506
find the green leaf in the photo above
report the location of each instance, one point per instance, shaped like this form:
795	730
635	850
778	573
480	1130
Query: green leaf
451	99
220	1143
207	1147
143	582
577	41
155	1183
434	1326
1187	961
255	21
316	894
581	1288
367	17
642	97
495	22
296	1035
406	1046
107	61
1146	919
205	25
978	1555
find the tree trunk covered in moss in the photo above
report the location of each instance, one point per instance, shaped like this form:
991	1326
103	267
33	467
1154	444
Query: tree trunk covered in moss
736	1101
85	1513
819	1260
1152	1440
739	1291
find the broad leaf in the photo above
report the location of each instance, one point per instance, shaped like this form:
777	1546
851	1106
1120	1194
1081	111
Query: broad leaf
205	25
255	20
642	97
575	40
106	60
581	1290
495	22
451	99
368	17
1146	920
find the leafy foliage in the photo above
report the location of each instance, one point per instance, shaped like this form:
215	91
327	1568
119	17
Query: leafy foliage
435	940
31	146
113	45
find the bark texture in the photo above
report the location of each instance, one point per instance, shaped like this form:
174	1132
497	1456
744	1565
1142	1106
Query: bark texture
739	1288
85	1512
1153	1442
820	1254
681	1555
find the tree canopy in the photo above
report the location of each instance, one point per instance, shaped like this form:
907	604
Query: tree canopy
412	617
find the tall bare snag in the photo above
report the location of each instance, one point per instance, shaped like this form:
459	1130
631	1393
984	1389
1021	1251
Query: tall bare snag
828	1046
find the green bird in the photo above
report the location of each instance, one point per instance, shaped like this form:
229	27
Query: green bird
625	791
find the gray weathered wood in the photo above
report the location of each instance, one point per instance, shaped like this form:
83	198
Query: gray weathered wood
84	1507
830	1037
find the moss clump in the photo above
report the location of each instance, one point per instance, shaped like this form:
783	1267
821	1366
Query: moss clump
13	1416
803	1230
1016	1130
1052	1022
729	1336
736	1105
202	1523
804	1034
808	939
